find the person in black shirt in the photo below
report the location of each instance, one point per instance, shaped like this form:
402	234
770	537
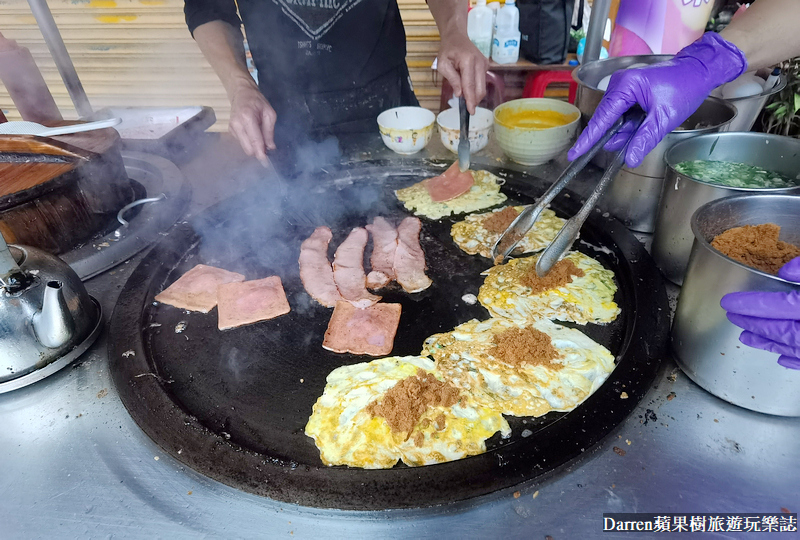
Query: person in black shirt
324	66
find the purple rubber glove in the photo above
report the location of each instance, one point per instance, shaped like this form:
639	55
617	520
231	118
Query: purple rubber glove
669	92
771	320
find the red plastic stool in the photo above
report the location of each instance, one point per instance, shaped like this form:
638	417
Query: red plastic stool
537	82
495	92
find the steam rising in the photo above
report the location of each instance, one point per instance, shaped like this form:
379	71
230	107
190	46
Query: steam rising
261	229
259	232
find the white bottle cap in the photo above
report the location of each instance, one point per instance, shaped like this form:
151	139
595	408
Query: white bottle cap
481	3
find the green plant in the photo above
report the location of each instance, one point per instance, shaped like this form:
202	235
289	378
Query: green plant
780	115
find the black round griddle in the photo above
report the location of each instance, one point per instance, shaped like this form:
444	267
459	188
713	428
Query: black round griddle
233	405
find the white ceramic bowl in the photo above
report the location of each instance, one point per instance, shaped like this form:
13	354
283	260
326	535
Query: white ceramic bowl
530	146
480	126
406	130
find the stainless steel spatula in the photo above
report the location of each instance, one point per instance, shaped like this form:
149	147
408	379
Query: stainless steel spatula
463	141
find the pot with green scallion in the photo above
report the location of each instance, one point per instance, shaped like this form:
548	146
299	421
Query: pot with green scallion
714	166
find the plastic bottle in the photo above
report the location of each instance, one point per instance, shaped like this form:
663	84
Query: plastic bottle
25	84
773	77
494	5
479	27
505	45
582	46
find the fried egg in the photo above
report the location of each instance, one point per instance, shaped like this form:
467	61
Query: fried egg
485	193
346	433
448	434
472	236
589	298
464	357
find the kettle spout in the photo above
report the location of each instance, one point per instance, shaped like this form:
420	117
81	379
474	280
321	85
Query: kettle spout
53	324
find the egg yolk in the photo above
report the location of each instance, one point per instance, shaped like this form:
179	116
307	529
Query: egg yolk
534	119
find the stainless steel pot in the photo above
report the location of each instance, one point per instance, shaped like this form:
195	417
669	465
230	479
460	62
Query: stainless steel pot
634	195
749	107
706	345
588	77
682	195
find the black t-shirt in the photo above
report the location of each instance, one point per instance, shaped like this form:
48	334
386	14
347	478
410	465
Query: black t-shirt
312	46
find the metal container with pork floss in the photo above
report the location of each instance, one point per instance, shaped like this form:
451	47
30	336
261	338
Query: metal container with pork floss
682	195
705	343
634	195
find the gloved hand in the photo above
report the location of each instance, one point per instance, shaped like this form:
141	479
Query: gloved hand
771	320
669	92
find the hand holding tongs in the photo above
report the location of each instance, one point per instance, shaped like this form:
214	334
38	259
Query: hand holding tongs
569	232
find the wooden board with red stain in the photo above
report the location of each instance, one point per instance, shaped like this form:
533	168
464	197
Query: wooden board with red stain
76	179
15	177
28	144
27	161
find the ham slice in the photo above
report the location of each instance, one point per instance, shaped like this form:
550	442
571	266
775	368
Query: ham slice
377	280
450	184
316	272
362	331
348	269
250	301
384	246
196	290
409	261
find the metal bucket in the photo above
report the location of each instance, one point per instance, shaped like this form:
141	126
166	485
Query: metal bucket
588	97
682	195
749	107
706	345
634	195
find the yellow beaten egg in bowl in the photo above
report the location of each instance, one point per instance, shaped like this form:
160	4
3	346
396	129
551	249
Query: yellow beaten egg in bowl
533	131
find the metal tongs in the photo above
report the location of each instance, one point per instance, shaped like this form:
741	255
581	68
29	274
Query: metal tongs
463	140
569	232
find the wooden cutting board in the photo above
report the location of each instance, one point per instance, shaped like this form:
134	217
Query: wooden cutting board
56	193
27	161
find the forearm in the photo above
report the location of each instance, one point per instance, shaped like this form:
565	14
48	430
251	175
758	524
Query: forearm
450	16
223	47
766	32
460	62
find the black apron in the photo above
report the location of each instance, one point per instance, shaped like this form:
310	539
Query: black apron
327	66
313	130
340	112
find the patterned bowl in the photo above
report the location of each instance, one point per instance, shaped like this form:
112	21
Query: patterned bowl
534	146
406	130
480	126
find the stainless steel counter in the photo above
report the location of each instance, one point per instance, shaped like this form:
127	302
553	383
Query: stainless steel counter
76	466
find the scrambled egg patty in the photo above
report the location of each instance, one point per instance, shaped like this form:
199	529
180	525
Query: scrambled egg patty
484	194
347	434
472	236
464	356
589	298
